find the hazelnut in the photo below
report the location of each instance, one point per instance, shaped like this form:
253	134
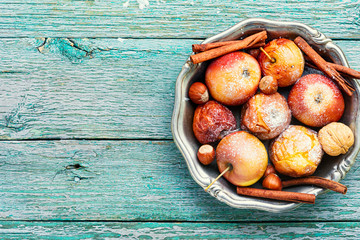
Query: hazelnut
198	93
272	181
206	154
268	85
270	169
336	138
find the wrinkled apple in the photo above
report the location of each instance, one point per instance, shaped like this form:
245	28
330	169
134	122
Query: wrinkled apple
296	152
210	120
266	116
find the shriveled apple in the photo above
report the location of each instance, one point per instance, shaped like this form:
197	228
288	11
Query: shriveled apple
210	120
296	152
266	116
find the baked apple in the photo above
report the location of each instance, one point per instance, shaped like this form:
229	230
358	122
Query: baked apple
266	116
245	154
233	78
210	119
296	152
286	64
315	100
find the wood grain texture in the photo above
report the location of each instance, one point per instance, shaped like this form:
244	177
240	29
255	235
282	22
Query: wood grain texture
167	19
86	88
130	181
154	230
94	88
106	70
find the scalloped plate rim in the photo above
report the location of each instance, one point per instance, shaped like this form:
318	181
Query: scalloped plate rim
216	190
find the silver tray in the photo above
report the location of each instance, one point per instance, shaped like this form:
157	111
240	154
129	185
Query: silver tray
181	125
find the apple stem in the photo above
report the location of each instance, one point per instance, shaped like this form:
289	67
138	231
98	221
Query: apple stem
217	178
270	58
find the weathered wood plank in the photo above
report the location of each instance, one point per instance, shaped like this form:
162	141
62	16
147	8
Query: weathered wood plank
155	230
167	19
94	88
97	89
130	181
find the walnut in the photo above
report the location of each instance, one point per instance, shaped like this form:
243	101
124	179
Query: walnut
336	138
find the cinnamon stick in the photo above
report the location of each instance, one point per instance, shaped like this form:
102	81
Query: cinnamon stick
317	181
277	195
217	52
323	65
207	46
348	71
311	65
315	67
340	68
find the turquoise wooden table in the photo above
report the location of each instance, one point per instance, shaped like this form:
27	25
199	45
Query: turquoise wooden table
87	93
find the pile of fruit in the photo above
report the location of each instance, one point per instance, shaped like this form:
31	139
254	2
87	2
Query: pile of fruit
247	81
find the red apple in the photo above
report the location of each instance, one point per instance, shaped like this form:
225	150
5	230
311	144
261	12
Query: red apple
245	154
233	78
315	100
288	61
210	119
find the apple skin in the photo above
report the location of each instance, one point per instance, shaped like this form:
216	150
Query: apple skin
210	119
315	100
265	116
233	78
289	61
296	152
246	154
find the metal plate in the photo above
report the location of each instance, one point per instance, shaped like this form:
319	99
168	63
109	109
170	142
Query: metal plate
334	168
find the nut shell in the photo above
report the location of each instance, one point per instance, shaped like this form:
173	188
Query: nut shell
206	154
270	169
198	93
268	85
336	138
272	181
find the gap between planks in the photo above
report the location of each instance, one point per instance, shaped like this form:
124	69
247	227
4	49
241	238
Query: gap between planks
86	139
137	38
182	221
147	38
